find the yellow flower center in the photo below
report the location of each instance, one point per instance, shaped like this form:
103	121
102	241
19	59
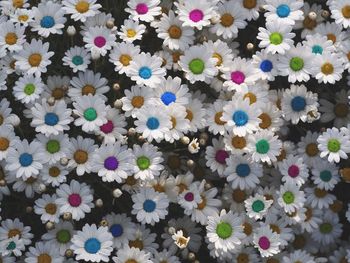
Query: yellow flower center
218	120
4	144
346	11
17	3
82	7
125	60
137	101
88	89
218	58
11	38
327	68
130	33
51	208
238	142
251	96
23	18
34	59
44	258
189	115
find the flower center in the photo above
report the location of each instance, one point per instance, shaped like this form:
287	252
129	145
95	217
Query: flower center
25	159
265	121
189	115
149	206
189	197
80	156
332	37
283	11
100	41
54	171
47	22
240	118
51	119
258	206
44	258
4	144
217	118
17	3
238	196
111	163
266	65
296	63
63	236
262	146
288	197
311	149
346	11
320	193
142	9
51	208
23	18
224	230
325	228
152	123
293	171
326	176
341	110
247	228
88	89
131	261
34	59
242	170
333	145
137	101
327	68
197	66
175	32
29	89
168	97
219	59
221	156
276	38
53	146
74	200
238	142
143	162
227	20
196	15
251	96
10	246
264	243
90	114
11	38
92	245
57	93
249	4
145	72
125	59
116	230
82	7
309	23
130	33
77	60
298	103
237	77
14	232
317	49
107	127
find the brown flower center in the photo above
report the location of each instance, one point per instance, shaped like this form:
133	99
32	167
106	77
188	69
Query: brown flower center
51	208
82	6
251	96
189	115
88	89
249	4
218	120
227	20
34	59
238	196
238	142
332	37
57	93
309	23
137	243
327	68
4	144
265	121
175	32
247	228
311	149
44	258
14	232
341	110
320	193
11	38
137	101
80	156
54	171
346	11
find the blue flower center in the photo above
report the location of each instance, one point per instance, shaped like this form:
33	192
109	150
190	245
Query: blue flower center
317	49
152	123
168	97
266	65
283	10
25	159
116	230
149	206
298	103
240	118
145	72
92	245
77	60
243	170
51	119
47	22
326	176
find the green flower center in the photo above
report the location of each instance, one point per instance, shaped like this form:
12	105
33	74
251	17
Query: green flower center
196	66
90	114
333	145
53	146
262	146
276	38
258	206
11	246
288	197
63	236
296	63
224	230
29	89
143	162
326	228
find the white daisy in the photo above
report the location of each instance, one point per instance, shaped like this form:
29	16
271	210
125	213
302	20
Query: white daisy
122	54
121	228
325	175
135	99
43	251
266	241
47	208
12	36
290	197
217	156
294	170
257	206
28	89
77	58
340	12
132	255
81	9
54	147
143	10
7	141
283	11
131	31
327	68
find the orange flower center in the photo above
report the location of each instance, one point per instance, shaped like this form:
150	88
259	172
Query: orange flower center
4	144
34	59
82	7
175	32
137	101
227	20
11	38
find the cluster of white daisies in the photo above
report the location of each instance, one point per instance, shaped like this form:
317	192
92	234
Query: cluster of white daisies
203	146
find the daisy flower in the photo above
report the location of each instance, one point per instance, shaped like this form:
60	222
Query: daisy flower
153	123
294	170
48	19
91	111
92	243
340	12
99	40
266	241
225	231
131	31
22	17
146	70
127	254
81	9
12	228
9	6
121	228
28	89
180	124
335	144
112	162
77	58
217	156
56	87
135	99
318	44
12	36
283	11
257	206
143	10
11	246
328	231
54	174
74	198
250	9
309	23
325	175
174	34
266	65
271	117
319	198
7	141
214	114
299	255
121	56
198	64
51	119
34	58
231	19
290	198
276	37
308	149
333	32
54	147
165	256
221	52
312	219
327	68
149	206
196	114
43	251
47	208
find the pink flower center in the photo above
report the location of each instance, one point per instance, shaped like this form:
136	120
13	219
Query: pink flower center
264	243
237	77
74	200
100	41
293	171
142	9
107	127
196	15
221	156
189	197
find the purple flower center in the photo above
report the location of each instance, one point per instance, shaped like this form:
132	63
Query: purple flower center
196	15
74	200
221	156
142	9
100	41
264	243
189	197
111	163
237	77
107	127
293	171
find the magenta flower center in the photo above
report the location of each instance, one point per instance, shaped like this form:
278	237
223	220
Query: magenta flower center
189	197
107	127
293	171
142	9
221	156
74	200
196	15
237	77
100	41
264	243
